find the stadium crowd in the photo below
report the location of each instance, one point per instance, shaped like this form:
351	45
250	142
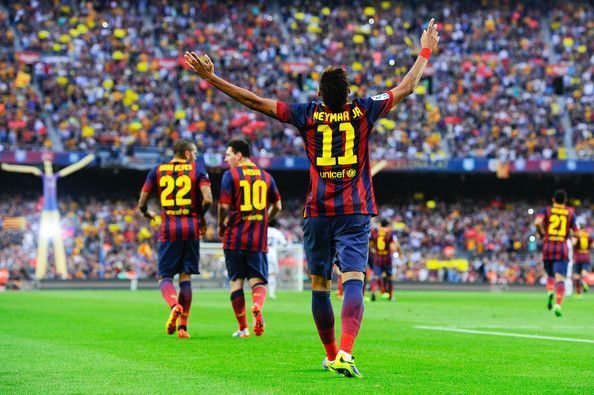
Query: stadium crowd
573	38
109	239
110	74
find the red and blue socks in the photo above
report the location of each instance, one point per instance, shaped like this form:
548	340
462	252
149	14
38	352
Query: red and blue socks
321	308
238	303
388	286
339	290
185	299
559	292
259	294
351	314
550	284
168	292
578	286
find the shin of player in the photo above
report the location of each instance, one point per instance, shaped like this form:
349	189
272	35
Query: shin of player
248	200
185	196
556	224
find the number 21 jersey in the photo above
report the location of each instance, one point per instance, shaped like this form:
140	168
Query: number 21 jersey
337	146
558	221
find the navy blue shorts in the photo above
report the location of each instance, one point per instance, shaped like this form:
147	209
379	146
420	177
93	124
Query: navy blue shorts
345	237
180	256
555	267
246	264
378	270
578	268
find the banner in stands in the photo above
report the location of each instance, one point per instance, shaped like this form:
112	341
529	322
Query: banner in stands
146	159
27	57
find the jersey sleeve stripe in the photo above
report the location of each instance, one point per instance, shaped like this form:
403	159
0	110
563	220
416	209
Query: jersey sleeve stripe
282	111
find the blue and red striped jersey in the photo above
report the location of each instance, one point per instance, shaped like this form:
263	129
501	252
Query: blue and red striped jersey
582	249
178	186
558	221
249	191
380	241
337	146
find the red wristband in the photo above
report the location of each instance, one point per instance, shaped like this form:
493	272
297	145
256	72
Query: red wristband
426	53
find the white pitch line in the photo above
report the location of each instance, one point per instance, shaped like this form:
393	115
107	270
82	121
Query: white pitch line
559	339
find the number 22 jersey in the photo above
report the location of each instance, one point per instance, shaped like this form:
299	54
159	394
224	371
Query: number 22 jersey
337	146
178	186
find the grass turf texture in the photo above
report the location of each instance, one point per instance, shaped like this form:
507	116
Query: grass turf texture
115	342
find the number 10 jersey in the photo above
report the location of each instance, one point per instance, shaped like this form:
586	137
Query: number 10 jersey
249	191
337	146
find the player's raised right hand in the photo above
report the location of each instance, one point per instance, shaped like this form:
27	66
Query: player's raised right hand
430	37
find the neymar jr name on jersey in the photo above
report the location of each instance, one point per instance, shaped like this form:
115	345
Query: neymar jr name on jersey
344	116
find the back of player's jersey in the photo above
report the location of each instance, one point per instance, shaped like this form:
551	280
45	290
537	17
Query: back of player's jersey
337	146
381	239
558	220
584	242
178	191
248	190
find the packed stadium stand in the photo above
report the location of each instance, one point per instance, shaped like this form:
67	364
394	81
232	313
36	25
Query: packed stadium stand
109	74
510	83
107	238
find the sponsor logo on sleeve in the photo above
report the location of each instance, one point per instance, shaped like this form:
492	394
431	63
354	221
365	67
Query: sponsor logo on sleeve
383	96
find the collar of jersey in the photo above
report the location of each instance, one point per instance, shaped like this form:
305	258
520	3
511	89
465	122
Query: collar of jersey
248	163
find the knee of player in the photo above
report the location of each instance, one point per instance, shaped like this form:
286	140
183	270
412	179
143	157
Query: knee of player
319	283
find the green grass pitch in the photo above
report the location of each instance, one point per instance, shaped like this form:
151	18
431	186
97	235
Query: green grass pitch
114	342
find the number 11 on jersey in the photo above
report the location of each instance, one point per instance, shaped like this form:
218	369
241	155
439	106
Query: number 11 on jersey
349	158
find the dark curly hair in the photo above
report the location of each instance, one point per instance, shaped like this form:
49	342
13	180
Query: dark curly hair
334	88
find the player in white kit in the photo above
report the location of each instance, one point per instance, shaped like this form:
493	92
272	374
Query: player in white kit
276	239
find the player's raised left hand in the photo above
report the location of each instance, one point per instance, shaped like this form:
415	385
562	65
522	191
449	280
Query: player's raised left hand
430	37
202	65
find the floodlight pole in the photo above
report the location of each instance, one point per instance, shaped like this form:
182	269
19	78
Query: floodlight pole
49	224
